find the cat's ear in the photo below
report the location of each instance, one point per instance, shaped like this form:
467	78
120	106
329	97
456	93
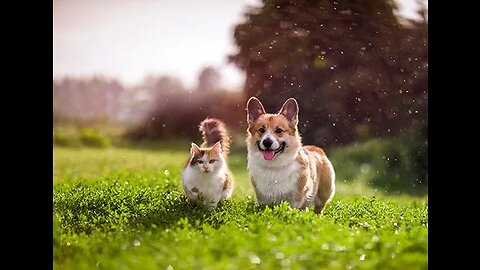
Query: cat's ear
217	147
290	110
254	109
195	150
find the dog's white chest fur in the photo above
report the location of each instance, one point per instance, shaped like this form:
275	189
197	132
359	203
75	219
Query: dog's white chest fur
276	180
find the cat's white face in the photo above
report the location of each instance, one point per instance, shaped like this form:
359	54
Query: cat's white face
207	164
206	160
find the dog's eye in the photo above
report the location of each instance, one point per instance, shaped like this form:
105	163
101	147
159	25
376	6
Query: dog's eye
199	162
261	130
278	130
211	161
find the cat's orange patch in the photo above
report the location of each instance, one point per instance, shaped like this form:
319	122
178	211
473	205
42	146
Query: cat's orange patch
210	152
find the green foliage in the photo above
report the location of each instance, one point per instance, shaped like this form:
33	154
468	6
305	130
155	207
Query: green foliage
347	63
125	209
62	138
76	137
393	165
144	224
92	137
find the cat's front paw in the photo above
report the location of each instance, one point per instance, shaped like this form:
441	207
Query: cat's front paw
211	205
201	197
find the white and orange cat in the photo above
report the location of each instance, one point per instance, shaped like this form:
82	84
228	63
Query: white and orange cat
206	178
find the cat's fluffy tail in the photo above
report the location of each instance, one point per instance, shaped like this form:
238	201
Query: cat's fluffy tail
214	130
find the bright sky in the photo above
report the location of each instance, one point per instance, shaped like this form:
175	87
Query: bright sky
130	39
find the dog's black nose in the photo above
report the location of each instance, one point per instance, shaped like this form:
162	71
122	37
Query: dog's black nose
267	142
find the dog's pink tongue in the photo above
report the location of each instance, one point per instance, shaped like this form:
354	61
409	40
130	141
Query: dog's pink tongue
268	154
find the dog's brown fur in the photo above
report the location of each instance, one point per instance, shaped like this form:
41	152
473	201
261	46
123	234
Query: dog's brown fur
309	169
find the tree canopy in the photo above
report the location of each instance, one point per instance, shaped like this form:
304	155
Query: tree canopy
354	68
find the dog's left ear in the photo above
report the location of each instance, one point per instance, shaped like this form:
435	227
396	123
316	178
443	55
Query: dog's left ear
290	110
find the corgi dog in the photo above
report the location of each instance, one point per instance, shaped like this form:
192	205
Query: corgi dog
206	178
280	167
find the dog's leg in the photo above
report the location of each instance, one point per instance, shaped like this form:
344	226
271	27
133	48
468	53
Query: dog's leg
296	203
298	198
260	198
326	186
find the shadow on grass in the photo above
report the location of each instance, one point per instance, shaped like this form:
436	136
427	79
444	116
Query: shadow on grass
184	211
85	210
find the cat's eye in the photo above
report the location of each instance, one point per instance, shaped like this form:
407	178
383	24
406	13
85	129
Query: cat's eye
278	130
211	161
199	162
261	130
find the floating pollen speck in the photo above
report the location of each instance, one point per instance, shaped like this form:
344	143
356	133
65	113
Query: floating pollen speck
255	260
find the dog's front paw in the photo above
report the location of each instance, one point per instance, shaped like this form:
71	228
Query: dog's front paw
296	204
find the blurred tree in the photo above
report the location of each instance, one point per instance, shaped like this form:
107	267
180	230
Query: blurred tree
88	99
354	68
153	94
176	112
208	80
165	87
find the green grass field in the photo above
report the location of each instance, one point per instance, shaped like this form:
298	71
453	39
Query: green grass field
123	208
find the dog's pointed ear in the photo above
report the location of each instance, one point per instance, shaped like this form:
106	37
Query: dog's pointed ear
254	109
195	150
290	110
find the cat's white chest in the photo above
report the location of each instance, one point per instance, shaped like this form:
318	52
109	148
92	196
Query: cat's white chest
203	186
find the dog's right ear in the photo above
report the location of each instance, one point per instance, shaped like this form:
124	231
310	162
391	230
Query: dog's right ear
254	109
